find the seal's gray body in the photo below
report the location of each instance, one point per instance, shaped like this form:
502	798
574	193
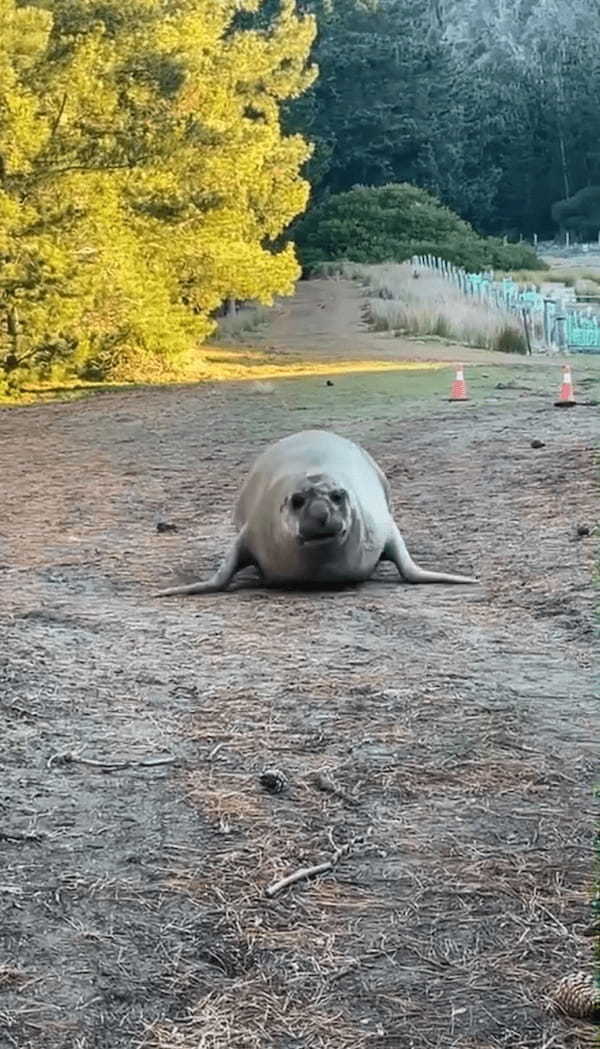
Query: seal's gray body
285	465
318	458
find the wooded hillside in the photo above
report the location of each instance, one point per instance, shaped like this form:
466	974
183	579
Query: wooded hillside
494	105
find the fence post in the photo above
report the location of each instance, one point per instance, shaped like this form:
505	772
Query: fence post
561	327
548	305
526	327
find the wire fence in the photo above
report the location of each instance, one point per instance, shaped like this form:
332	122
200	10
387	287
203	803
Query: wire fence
550	323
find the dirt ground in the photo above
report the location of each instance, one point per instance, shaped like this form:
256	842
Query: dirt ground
444	735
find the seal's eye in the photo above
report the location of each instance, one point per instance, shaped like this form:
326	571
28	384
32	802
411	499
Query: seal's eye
337	498
297	501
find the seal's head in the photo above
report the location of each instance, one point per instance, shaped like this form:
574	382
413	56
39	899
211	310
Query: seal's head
318	512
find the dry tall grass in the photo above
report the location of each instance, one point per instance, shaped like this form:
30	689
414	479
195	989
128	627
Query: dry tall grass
236	325
570	277
431	305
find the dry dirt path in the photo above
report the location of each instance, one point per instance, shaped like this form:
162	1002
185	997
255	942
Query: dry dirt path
457	729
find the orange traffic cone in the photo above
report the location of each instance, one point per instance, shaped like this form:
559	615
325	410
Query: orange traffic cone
566	397
459	387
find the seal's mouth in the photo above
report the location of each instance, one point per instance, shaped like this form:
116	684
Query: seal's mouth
322	538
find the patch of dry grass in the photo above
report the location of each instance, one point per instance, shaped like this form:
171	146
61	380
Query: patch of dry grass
452	936
256	1013
571	277
431	306
235	325
538	278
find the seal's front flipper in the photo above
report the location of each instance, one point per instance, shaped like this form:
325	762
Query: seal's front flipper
395	550
237	557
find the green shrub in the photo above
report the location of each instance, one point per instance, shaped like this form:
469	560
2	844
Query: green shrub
392	223
579	213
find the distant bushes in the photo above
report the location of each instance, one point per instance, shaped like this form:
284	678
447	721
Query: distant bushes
580	214
391	223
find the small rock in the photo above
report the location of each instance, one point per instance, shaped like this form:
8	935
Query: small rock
273	780
536	443
164	526
583	530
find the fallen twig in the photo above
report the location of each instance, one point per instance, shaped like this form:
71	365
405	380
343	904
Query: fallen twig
329	786
306	872
215	750
70	758
18	835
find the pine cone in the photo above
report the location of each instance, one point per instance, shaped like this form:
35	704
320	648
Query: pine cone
578	995
273	780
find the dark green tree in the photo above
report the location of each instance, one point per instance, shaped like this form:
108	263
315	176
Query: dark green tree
494	107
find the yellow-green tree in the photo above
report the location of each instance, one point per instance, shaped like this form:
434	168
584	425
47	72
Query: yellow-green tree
144	176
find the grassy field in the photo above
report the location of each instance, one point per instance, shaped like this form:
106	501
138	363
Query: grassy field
386	386
220	364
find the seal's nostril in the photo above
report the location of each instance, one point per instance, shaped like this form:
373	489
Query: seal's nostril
319	512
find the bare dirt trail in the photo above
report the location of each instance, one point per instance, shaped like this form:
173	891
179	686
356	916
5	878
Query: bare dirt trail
454	731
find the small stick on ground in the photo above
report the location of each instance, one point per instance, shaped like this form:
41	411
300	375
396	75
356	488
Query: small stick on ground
306	872
18	835
327	784
70	758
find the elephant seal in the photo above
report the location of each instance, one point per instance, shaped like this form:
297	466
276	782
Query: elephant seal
315	509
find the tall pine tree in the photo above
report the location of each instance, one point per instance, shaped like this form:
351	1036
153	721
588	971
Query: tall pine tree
145	176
